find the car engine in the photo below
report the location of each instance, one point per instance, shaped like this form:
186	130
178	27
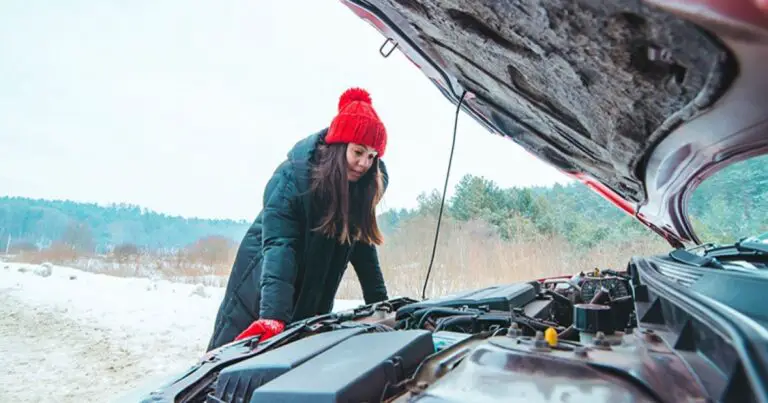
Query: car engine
595	336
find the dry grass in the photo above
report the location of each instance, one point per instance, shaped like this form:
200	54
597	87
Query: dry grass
56	253
469	255
207	261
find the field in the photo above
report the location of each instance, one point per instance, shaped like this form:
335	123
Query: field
469	255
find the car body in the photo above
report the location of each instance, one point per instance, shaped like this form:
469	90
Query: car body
641	101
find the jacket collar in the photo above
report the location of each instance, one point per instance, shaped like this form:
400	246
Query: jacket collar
300	156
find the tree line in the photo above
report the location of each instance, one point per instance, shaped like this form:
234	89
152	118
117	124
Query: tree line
88	227
727	206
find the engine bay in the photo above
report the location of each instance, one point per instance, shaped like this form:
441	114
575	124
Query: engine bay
595	336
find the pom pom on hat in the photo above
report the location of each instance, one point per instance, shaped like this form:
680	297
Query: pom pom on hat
354	95
357	122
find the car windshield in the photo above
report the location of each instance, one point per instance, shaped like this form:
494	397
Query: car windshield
732	204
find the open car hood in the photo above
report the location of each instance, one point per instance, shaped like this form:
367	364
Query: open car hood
639	100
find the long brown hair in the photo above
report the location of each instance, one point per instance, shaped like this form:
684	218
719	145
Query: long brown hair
348	210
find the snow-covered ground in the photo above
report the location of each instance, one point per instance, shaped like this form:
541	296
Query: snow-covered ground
68	335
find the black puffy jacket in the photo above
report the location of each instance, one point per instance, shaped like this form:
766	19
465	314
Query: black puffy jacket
283	270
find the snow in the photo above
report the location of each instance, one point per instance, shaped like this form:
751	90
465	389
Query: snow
69	335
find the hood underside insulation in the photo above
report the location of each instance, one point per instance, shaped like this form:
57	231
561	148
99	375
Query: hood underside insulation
590	86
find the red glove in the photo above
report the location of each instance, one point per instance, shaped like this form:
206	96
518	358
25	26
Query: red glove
264	327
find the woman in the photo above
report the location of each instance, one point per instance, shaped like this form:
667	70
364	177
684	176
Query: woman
318	216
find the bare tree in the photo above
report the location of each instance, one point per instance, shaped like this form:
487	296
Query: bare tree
212	250
126	252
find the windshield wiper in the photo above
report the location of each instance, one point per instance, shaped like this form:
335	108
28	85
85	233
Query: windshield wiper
692	259
750	245
744	247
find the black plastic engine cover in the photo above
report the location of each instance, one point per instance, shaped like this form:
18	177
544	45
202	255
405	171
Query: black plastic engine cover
237	382
500	298
356	370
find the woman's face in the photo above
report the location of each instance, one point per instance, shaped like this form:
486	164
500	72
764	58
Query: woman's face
359	160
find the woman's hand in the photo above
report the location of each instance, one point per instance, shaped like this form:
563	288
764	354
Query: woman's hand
265	328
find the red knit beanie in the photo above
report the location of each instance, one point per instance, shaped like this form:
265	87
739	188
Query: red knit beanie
357	122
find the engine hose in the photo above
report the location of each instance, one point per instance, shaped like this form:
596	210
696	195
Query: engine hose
569	332
486	319
559	297
424	314
465	319
528	325
400	324
534	325
424	311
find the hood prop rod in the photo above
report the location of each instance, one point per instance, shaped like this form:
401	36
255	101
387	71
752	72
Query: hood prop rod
445	189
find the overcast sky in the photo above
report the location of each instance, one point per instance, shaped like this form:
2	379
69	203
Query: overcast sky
188	107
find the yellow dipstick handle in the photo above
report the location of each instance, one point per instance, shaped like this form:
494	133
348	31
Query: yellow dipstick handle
550	335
